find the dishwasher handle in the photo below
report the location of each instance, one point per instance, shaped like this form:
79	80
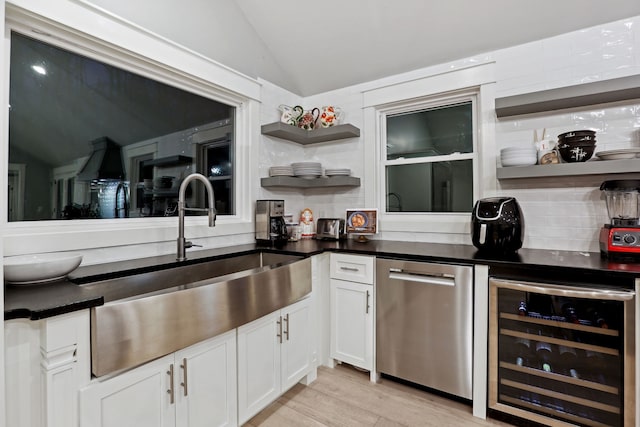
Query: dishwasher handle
428	279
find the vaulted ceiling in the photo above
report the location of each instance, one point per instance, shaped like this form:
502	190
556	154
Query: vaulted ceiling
313	47
336	43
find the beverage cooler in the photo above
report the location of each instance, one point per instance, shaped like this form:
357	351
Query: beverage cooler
562	355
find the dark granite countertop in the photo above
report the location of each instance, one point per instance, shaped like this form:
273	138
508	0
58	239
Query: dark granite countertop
40	301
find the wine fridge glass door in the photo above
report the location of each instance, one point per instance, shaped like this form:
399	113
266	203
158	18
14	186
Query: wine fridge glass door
562	354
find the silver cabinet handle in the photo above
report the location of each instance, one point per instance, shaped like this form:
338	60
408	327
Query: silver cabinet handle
366	308
170	391
279	334
184	376
349	269
286	331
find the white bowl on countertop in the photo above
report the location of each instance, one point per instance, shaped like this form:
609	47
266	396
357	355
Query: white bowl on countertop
39	268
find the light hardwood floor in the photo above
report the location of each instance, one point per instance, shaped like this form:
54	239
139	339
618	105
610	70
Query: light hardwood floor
345	397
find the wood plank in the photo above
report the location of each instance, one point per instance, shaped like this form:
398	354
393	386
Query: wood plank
281	415
344	396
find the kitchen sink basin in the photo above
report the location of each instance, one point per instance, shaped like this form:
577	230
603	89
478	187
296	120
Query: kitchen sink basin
149	315
182	277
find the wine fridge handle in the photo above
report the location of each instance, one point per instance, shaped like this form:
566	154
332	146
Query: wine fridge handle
567	291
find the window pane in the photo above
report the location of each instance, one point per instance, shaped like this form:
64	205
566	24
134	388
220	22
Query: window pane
432	132
218	159
430	187
65	107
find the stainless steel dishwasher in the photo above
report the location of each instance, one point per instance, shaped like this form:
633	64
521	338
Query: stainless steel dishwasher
424	328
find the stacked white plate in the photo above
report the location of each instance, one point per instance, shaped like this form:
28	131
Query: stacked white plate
518	156
307	170
625	153
337	172
280	171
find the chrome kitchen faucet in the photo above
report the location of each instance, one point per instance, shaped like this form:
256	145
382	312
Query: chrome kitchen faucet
183	244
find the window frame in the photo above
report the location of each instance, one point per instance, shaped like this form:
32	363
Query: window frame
394	220
417	106
163	64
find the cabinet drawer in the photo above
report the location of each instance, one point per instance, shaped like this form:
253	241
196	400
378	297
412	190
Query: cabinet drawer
354	268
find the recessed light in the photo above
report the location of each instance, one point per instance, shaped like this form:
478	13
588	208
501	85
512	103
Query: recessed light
39	69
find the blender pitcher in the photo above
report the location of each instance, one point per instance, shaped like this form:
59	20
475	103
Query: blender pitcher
622	201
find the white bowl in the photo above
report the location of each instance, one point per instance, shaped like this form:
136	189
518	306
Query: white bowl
518	150
39	268
519	161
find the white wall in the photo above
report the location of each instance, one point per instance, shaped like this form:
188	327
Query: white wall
567	213
560	213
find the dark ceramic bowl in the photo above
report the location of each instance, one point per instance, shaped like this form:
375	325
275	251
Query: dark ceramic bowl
564	144
576	153
584	139
575	133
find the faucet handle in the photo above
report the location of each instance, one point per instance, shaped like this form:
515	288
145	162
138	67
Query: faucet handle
188	244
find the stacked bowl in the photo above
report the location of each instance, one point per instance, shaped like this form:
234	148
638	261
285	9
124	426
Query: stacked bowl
518	156
577	145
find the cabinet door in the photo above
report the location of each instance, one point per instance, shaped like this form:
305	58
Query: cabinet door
138	398
296	343
352	323
258	364
205	383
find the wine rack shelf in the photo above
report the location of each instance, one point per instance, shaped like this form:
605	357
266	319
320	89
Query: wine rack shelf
558	341
562	378
561	396
551	411
560	324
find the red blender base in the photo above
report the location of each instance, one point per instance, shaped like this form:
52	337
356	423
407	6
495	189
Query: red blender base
624	241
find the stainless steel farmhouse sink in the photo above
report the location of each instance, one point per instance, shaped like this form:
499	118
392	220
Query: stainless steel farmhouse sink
149	315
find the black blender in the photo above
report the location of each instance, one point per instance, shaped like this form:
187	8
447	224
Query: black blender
621	237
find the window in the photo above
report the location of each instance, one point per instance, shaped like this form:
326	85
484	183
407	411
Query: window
97	141
428	151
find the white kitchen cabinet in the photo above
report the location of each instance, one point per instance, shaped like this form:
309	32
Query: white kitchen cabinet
206	393
353	268
190	388
296	346
351	284
274	352
135	398
352	323
46	362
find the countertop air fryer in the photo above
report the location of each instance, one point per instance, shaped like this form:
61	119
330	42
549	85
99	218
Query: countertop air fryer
497	225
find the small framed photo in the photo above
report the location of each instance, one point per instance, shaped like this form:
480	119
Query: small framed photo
362	221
